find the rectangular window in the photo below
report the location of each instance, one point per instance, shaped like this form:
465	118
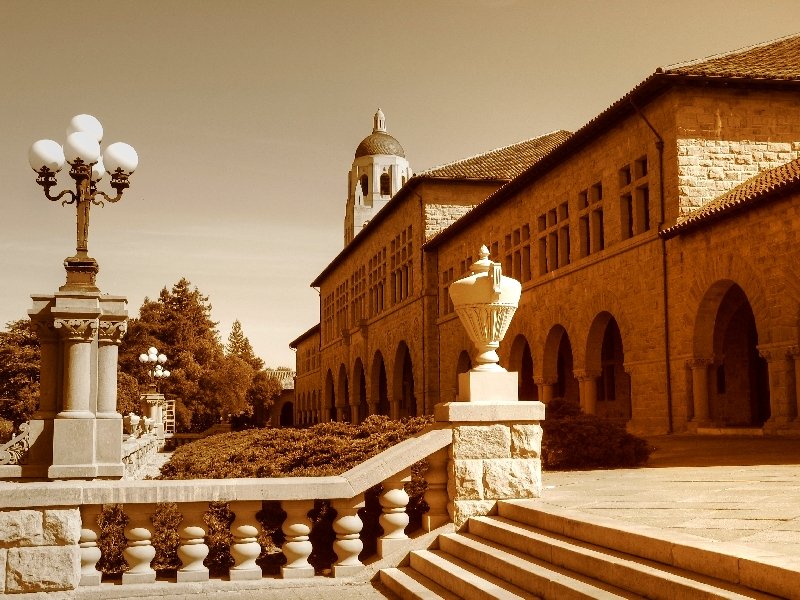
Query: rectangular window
590	226
634	198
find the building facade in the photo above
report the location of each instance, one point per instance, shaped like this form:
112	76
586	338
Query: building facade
655	254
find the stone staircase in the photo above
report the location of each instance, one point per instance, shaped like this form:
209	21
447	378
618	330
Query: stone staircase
543	552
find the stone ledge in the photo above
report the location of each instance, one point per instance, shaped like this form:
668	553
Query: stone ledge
505	412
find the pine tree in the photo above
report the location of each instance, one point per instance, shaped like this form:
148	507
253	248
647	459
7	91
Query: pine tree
239	346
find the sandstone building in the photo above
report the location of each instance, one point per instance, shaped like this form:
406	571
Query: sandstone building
657	248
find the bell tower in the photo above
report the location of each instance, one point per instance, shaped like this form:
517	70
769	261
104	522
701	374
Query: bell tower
379	170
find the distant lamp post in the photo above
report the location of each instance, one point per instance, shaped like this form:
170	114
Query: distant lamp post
156	370
81	150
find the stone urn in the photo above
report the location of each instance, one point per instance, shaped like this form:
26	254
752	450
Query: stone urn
130	423
485	302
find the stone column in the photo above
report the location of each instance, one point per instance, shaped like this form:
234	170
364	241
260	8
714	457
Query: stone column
546	388
587	389
699	368
794	353
108	441
781	409
74	428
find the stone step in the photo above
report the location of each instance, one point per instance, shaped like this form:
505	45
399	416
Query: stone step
754	570
463	579
408	584
539	578
637	576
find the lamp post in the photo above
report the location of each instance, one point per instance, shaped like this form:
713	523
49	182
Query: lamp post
156	370
154	399
81	150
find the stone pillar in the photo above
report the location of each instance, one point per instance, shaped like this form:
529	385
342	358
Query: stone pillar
546	388
587	389
90	552
139	552
108	441
794	353
394	520
781	408
193	548
348	544
297	547
436	495
496	447
699	368
245	547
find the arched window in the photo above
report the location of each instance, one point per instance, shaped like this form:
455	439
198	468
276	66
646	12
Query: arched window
386	185
364	185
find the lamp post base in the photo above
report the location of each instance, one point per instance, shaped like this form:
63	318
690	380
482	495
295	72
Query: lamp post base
81	274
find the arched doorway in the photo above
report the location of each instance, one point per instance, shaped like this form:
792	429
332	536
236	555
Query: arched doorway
328	412
521	362
557	366
360	390
404	383
343	397
737	377
607	386
287	415
380	393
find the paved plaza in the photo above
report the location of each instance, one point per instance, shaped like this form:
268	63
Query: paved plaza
745	491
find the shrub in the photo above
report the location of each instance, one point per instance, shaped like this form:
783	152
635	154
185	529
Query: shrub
573	440
6	430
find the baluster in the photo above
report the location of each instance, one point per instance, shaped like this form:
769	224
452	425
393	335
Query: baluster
193	549
436	494
297	547
394	500
139	552
245	547
348	544
90	552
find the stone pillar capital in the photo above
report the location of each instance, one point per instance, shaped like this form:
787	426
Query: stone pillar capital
699	363
111	331
544	381
794	352
44	329
586	374
78	330
773	353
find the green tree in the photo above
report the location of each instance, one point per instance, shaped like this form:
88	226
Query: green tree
225	387
264	391
238	345
179	324
19	371
127	394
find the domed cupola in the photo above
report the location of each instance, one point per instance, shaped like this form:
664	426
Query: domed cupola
379	169
379	142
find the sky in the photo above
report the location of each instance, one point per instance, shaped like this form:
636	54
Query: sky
246	115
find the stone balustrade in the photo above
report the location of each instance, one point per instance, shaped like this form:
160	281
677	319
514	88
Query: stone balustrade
49	531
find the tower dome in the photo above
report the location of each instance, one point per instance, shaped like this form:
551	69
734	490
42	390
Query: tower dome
379	142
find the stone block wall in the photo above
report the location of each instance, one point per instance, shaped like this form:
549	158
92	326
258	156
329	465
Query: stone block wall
39	549
491	462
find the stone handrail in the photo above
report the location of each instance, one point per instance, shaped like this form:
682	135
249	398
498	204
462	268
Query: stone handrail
55	523
14	449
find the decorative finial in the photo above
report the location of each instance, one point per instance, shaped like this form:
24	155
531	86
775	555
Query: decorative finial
379	122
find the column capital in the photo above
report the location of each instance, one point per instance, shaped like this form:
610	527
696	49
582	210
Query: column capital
81	330
699	363
544	381
772	353
112	332
585	374
794	352
44	329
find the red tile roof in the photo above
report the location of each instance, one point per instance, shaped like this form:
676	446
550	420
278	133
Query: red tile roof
777	59
762	186
502	164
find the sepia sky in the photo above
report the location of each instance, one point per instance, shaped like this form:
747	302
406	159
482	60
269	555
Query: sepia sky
246	115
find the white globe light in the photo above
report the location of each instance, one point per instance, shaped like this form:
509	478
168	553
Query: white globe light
152	350
120	156
86	124
166	373
159	368
81	146
98	171
46	153
162	358
143	358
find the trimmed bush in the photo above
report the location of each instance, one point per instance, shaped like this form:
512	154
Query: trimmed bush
573	441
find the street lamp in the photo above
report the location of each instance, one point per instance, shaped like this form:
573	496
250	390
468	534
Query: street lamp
81	150
157	372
